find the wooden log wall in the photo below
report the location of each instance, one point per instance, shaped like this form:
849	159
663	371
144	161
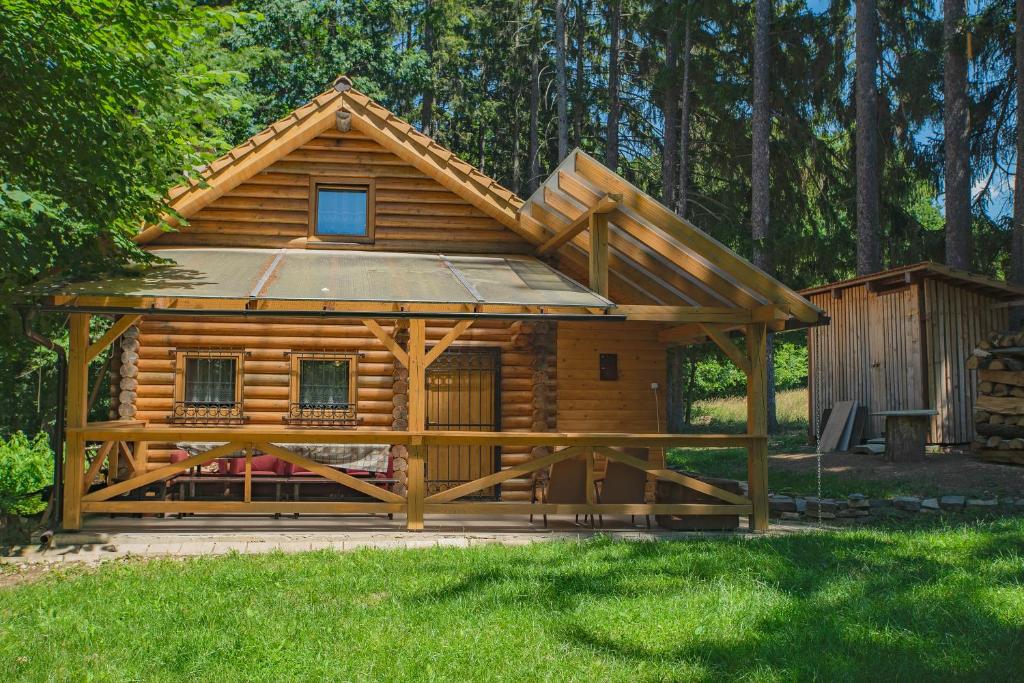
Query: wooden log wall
588	404
902	348
957	320
413	211
267	371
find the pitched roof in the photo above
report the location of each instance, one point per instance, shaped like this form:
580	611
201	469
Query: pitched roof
668	255
998	289
319	115
653	253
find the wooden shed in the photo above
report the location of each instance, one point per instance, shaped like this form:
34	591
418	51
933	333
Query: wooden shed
350	304
899	340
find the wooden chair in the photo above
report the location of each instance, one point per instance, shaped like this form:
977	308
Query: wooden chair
623	484
566	484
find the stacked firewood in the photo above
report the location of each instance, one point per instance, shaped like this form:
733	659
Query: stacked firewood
999	407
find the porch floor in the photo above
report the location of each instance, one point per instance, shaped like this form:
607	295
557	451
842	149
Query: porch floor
105	538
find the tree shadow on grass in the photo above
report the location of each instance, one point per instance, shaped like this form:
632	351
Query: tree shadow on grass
836	606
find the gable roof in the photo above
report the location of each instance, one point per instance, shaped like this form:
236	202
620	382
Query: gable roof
998	289
653	254
320	115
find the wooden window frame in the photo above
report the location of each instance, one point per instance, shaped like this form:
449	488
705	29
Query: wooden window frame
179	408
308	416
317	183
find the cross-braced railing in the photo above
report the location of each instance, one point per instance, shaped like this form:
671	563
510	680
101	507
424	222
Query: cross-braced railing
247	441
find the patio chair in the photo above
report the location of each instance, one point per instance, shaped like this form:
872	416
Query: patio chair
566	485
624	485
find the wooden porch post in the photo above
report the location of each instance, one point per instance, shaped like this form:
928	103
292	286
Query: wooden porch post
757	423
77	414
417	422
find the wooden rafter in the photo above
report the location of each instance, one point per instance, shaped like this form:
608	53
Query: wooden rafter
694	314
446	341
387	340
115	331
604	204
722	341
690	236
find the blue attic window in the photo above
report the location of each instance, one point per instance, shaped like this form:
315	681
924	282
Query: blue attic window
342	213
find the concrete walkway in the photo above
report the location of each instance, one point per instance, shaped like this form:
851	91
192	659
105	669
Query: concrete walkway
105	538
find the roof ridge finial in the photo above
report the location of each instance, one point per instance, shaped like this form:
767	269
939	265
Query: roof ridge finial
342	83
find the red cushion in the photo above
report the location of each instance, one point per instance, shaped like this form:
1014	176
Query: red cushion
264	464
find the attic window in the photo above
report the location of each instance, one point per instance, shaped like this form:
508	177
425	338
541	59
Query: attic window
341	211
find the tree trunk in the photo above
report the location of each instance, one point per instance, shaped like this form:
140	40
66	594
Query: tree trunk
1017	254
560	84
427	106
683	172
869	248
580	104
611	150
761	125
670	109
534	145
955	124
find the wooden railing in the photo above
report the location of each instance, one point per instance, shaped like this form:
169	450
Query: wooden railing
249	439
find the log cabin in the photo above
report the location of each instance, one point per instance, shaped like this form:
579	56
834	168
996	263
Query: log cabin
340	286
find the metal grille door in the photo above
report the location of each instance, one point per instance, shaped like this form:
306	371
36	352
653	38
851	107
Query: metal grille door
463	394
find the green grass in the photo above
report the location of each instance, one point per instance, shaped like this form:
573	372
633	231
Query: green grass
731	463
729	415
927	604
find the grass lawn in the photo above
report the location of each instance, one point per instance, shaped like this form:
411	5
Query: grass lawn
925	604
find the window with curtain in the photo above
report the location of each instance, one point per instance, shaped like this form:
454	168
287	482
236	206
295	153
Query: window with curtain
210	381
325	383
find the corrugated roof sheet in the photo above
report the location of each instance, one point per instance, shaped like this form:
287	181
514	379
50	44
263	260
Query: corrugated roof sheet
345	275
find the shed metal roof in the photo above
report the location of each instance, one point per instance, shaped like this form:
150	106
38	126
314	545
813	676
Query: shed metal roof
343	276
997	289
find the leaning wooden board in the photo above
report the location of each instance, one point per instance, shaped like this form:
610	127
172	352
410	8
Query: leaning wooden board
836	428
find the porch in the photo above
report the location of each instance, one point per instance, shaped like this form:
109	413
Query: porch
377	504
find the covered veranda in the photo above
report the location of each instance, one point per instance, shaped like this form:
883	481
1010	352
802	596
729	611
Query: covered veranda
238	284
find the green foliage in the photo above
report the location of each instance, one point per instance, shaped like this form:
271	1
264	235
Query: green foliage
26	467
104	105
938	602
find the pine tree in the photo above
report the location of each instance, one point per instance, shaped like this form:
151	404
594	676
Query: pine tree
956	133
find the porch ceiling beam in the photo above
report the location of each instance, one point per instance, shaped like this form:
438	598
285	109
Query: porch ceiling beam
387	340
684	314
446	341
718	335
605	204
115	331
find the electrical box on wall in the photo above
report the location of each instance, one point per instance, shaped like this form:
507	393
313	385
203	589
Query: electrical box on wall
608	365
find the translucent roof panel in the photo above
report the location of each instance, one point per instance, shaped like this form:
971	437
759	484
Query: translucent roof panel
199	273
364	276
345	275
